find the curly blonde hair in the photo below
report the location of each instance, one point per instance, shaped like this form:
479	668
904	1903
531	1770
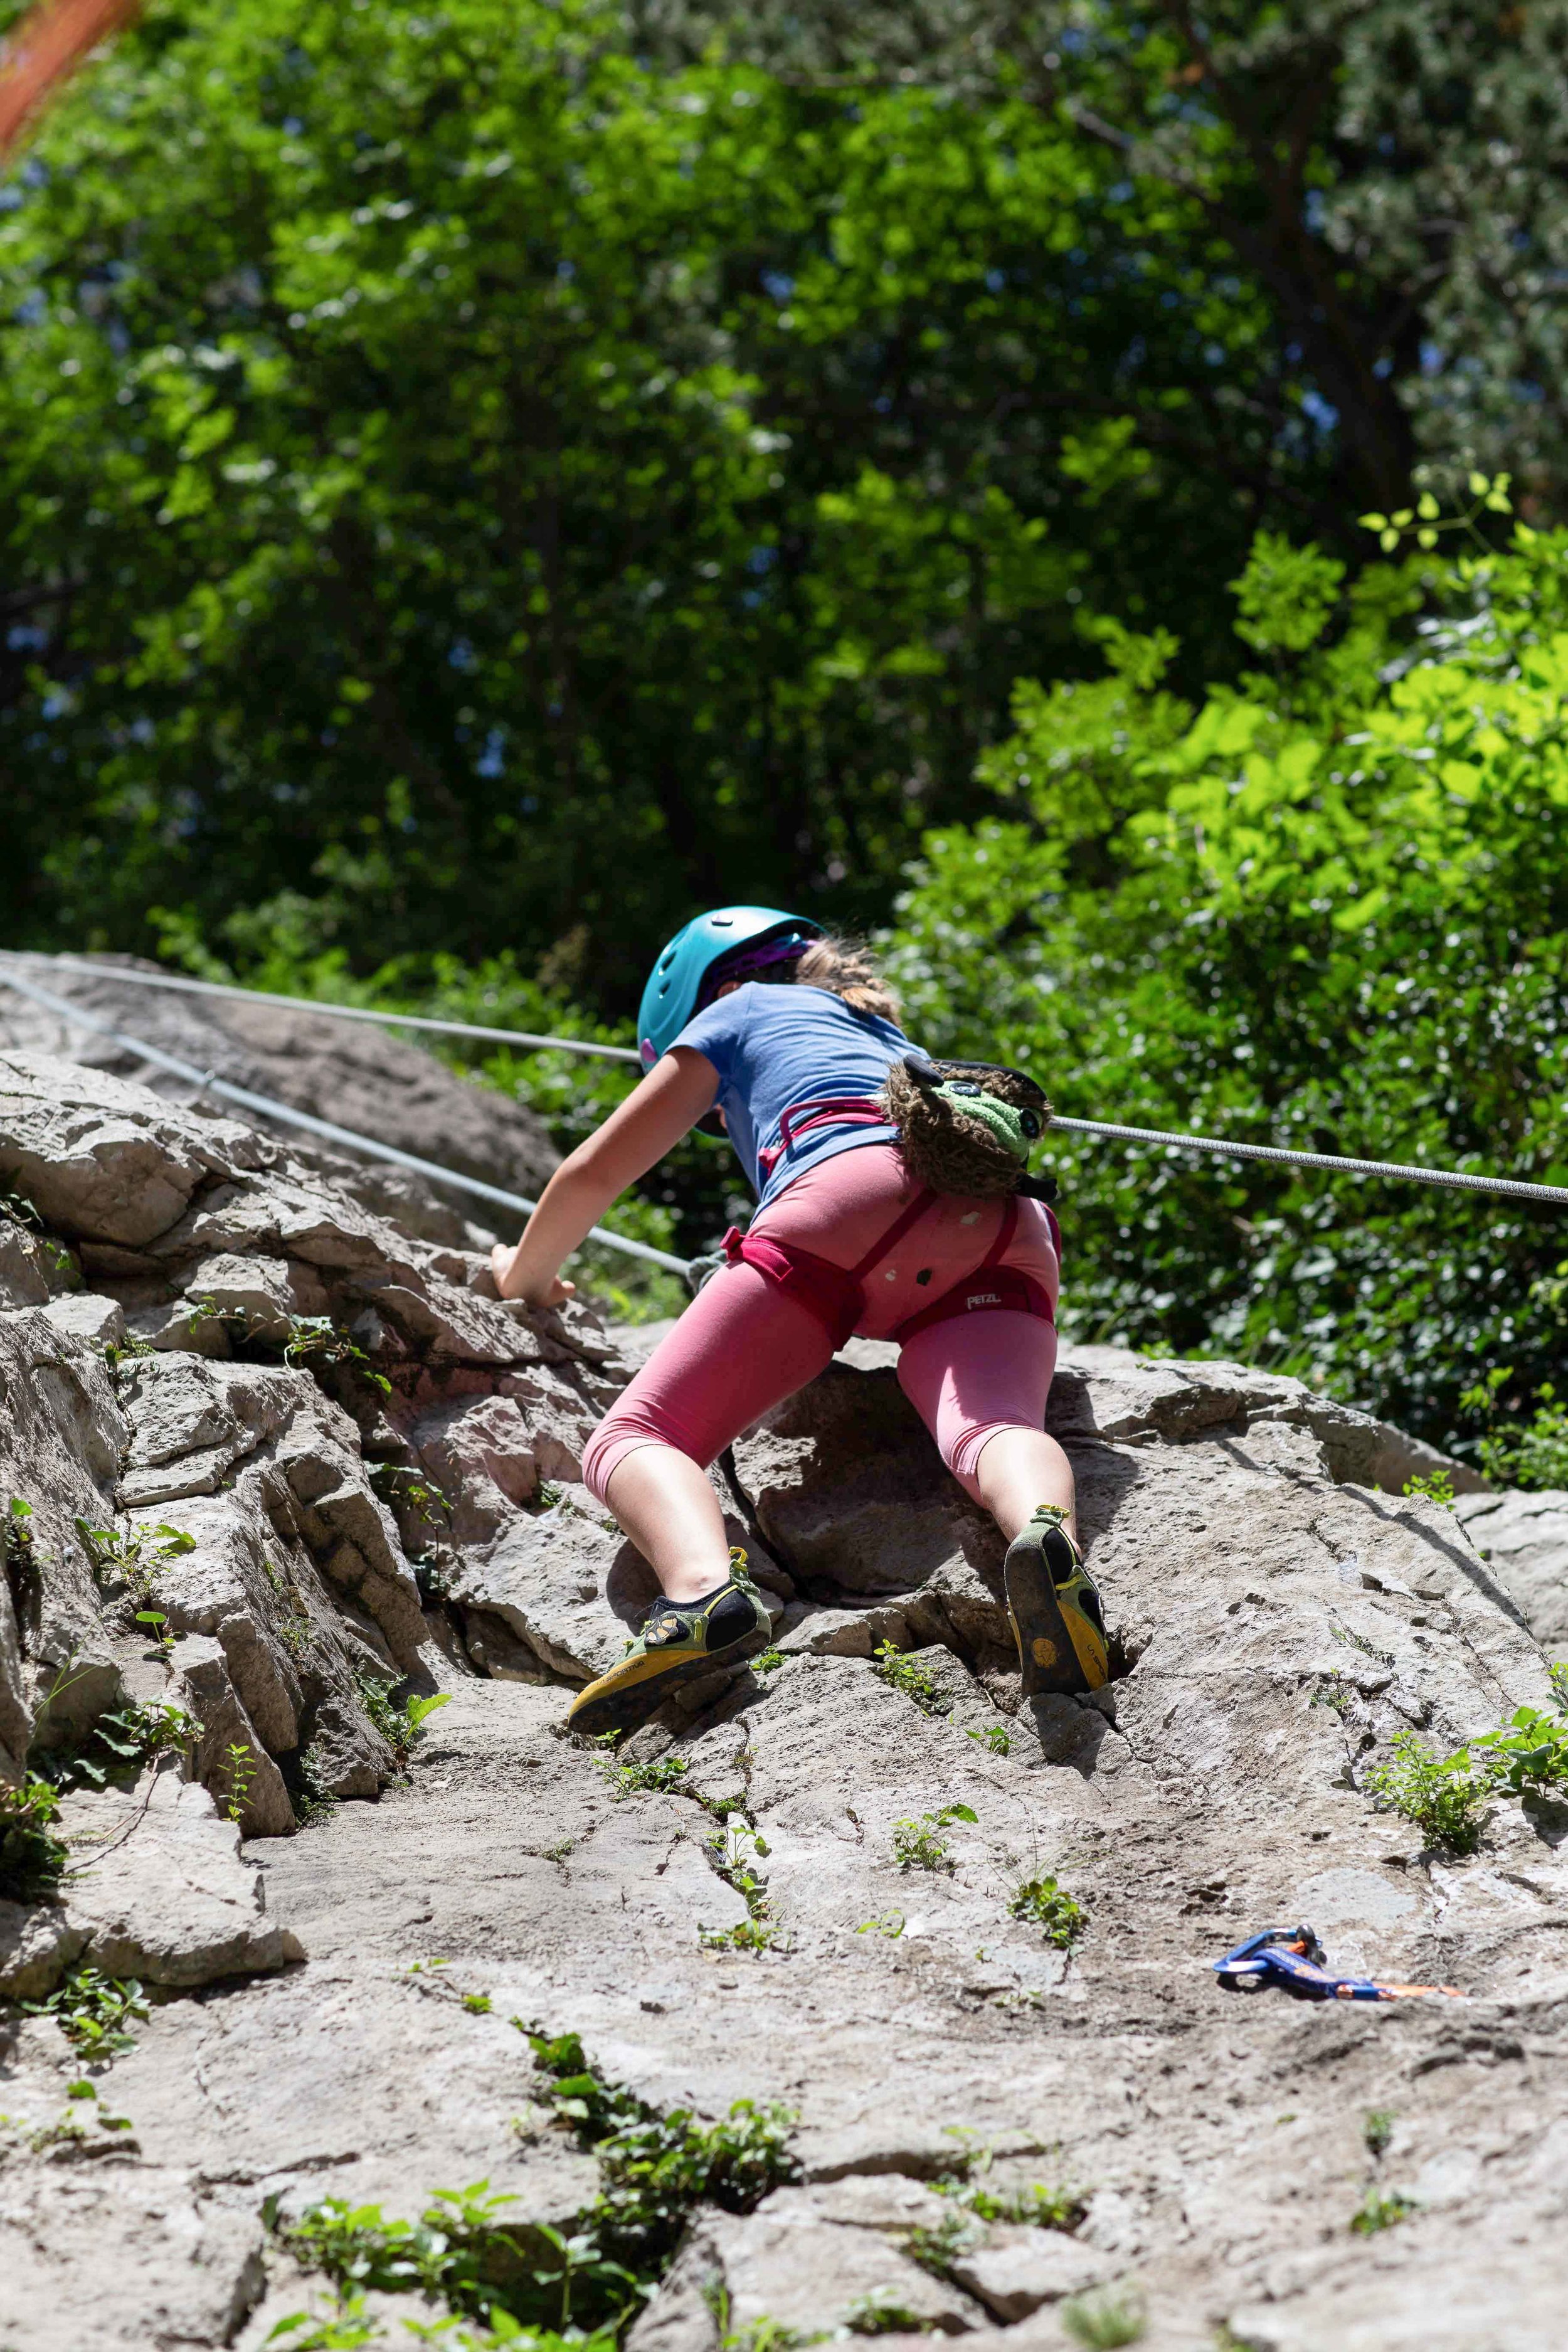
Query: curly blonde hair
846	967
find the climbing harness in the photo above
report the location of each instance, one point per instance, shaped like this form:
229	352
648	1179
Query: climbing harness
1293	1959
835	1294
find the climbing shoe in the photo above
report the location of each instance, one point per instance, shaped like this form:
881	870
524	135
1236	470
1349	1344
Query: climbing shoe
681	1640
1054	1609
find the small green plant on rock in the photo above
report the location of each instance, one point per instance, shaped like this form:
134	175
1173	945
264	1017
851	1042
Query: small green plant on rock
1377	2130
1436	1486
1528	1755
768	1662
33	1861
996	1739
134	1559
117	1748
1382	2209
395	1483
1100	2322
239	1764
729	1855
316	1339
400	1726
312	1798
881	2314
1050	1906
936	2249
1443	1795
631	1779
1334	1691
94	2012
918	1842
913	1676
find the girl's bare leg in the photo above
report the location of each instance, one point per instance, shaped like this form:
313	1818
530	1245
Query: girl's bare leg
671	1512
1017	1471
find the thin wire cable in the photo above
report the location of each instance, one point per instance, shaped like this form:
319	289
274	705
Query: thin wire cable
285	1112
1339	1167
344	1011
1281	1154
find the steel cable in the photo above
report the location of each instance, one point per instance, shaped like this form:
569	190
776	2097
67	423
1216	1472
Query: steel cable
1282	1154
286	1113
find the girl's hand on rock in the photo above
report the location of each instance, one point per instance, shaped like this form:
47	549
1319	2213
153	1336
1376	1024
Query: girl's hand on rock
555	1293
510	1283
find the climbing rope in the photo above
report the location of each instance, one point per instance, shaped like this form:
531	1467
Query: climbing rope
1282	1154
206	1083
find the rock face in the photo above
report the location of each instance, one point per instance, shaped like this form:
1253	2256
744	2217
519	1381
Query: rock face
1524	1539
358	1075
335	1467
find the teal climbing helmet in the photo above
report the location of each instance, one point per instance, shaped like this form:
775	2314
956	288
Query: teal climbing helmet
674	991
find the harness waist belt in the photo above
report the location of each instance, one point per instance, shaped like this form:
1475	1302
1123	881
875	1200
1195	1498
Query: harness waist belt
836	1295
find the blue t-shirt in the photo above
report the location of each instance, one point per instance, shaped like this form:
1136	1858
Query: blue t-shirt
776	1045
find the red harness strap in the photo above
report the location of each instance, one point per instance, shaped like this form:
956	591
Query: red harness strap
992	1284
837	1295
839	1110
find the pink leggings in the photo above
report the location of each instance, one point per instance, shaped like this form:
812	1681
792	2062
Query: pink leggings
743	1345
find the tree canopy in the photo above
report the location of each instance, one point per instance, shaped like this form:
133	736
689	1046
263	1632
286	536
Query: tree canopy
481	477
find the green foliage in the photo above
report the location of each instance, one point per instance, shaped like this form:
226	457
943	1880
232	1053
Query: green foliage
1377	2130
917	1842
397	1484
1099	2322
1287	595
733	1855
655	2167
1322	907
1382	2209
661	1774
913	1675
240	1770
401	1726
1532	1453
119	1745
1050	1907
996	1739
133	1558
881	2314
94	2012
1445	1797
1436	1486
858	345
32	1859
1528	1755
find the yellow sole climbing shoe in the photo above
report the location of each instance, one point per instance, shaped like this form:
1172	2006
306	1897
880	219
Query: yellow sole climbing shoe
1054	1609
680	1640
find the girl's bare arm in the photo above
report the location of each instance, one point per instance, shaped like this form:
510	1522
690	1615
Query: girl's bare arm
676	1092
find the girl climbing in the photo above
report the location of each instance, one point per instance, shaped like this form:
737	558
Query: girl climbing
893	1202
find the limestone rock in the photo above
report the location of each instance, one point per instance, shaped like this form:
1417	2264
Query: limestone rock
159	1888
1279	1613
1015	2270
1524	1539
38	1942
358	1075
